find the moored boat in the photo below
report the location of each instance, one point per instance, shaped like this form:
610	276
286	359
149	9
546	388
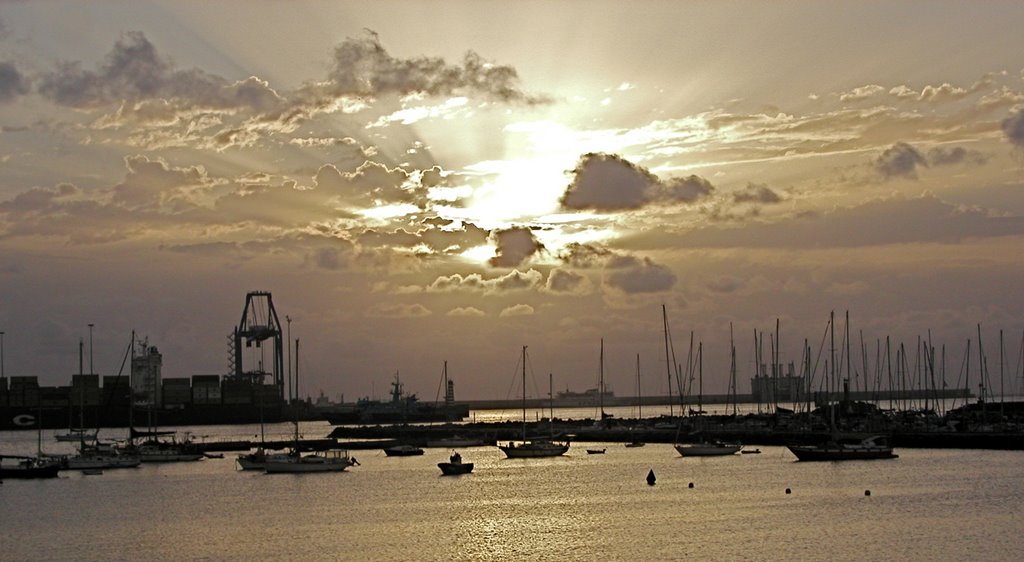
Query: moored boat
17	466
101	455
536	448
875	447
455	441
322	461
707	449
403	451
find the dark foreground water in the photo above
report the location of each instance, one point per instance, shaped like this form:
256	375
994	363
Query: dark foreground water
926	505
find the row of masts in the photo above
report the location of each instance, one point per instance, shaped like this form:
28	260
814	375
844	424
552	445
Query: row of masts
913	380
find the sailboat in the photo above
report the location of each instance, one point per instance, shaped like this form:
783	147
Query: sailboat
838	448
39	466
294	462
702	447
537	447
152	448
78	434
639	404
92	454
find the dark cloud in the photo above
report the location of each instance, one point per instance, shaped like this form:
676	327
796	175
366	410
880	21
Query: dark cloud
687	189
608	182
133	71
362	67
899	160
634	275
756	193
941	156
514	246
564	281
12	82
1013	127
584	255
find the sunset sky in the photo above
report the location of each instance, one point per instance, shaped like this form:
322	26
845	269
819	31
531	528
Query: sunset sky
420	182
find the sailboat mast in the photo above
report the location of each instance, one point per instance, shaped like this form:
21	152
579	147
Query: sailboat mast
700	375
524	393
639	401
668	363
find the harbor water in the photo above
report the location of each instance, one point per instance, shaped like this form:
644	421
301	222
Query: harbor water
926	505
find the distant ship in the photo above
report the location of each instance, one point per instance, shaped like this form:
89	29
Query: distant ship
402	408
589	397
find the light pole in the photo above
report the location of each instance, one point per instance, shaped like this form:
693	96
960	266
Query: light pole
1	356
91	372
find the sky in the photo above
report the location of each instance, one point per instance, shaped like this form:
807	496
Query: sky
426	182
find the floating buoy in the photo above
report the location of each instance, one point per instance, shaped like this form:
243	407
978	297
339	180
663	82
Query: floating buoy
788	491
867	492
650	478
691	485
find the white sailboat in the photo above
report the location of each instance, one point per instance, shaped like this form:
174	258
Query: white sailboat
296	463
701	447
535	448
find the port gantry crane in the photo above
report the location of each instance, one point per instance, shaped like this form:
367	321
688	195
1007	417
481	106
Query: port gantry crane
260	323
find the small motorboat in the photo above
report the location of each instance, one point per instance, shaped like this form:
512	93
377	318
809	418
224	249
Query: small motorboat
455	466
595	451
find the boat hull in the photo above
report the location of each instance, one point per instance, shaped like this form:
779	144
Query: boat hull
401	451
707	449
28	468
90	462
811	453
533	450
451	469
331	461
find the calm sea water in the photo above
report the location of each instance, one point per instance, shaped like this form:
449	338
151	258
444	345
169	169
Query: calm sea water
926	505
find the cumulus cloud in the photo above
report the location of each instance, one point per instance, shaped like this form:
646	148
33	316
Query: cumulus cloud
517	310
466	311
515	280
370	183
756	193
154	183
633	275
566	282
608	182
514	246
12	82
899	160
861	93
1013	127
